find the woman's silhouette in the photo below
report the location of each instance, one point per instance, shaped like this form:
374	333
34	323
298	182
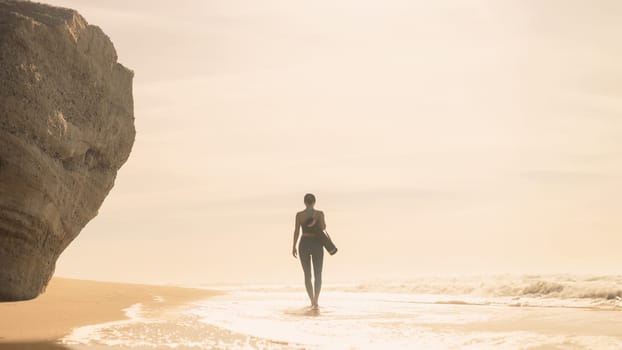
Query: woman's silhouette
310	248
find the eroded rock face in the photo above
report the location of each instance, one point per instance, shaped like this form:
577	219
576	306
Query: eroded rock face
66	127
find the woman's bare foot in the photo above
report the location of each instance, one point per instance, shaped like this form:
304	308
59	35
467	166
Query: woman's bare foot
314	304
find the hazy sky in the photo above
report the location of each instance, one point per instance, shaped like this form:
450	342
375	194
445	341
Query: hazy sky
439	137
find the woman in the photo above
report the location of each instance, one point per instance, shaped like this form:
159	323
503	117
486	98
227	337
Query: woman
311	248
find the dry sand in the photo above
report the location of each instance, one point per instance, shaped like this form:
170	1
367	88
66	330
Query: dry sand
68	303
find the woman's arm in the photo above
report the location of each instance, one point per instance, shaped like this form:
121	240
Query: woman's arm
322	221
296	234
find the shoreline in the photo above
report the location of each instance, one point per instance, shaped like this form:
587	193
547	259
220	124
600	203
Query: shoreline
71	303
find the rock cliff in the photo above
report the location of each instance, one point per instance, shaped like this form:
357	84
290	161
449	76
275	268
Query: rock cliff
66	127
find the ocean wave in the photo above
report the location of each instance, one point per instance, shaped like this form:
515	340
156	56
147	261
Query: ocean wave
603	294
542	288
601	288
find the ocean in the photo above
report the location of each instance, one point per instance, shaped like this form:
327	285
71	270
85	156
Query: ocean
477	312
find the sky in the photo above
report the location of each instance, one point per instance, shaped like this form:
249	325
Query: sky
440	138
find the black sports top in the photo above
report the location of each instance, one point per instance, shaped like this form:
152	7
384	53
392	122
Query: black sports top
315	229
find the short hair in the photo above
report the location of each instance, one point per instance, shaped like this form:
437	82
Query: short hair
309	199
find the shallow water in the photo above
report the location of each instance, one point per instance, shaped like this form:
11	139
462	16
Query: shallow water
537	316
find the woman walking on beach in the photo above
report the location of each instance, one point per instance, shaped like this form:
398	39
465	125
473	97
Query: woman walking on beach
310	248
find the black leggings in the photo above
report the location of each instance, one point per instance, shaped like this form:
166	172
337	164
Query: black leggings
311	248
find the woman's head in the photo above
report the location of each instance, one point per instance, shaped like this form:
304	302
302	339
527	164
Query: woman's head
309	199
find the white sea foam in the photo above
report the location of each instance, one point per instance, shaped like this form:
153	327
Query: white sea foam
393	321
475	312
96	333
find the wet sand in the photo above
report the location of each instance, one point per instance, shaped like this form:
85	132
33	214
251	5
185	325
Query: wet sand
67	303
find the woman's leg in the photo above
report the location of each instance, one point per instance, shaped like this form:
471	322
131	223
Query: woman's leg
305	260
318	262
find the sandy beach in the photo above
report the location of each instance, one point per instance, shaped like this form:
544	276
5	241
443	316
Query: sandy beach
69	303
477	313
